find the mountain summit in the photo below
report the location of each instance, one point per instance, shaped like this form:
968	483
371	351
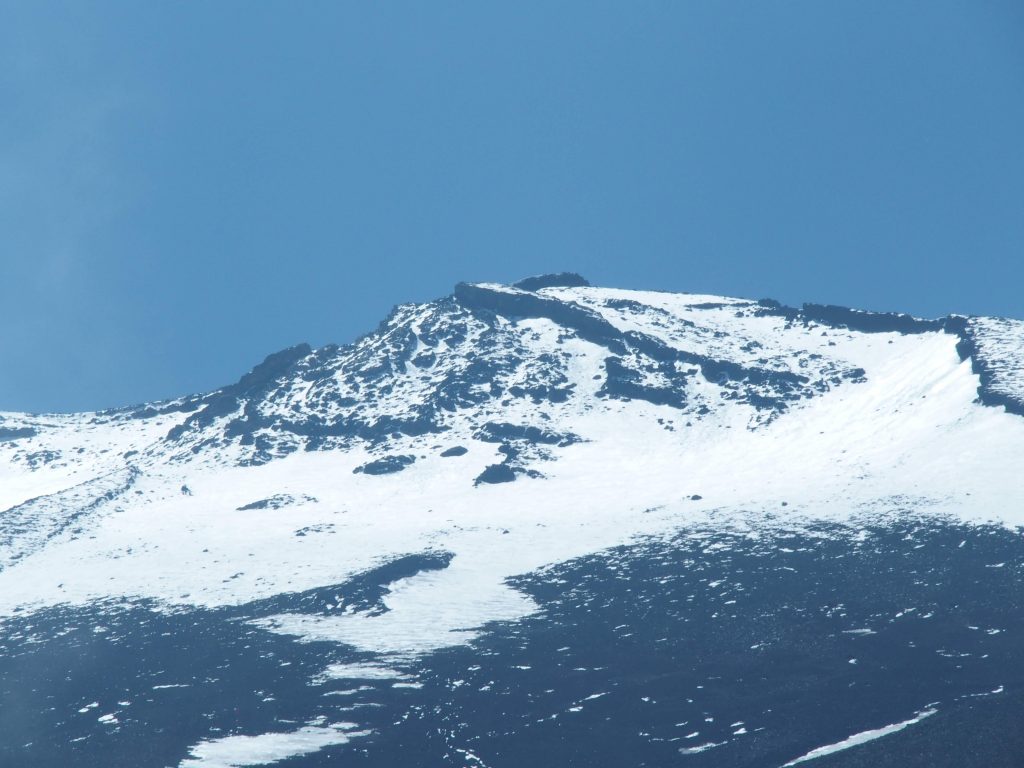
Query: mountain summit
423	494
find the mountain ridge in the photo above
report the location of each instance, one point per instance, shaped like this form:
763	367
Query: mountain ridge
390	383
436	491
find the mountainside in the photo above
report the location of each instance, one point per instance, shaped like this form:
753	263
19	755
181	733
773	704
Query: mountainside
545	523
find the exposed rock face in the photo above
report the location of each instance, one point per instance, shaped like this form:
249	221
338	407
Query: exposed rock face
560	280
542	524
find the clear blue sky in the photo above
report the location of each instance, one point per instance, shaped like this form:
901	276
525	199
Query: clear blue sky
186	187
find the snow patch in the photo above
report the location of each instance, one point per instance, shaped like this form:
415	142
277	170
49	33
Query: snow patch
860	738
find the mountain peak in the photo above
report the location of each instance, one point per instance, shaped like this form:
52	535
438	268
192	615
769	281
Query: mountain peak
398	496
552	280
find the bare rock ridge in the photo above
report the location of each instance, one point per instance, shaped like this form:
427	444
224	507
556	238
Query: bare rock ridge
509	365
474	351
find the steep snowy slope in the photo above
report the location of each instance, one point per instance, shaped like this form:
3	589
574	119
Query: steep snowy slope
489	435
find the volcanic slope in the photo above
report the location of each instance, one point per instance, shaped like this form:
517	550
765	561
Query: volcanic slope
488	437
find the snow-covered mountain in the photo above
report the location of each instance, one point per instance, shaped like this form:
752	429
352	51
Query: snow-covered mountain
733	520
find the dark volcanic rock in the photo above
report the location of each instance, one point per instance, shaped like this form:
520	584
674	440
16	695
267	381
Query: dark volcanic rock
498	432
496	473
277	501
559	280
385	466
9	434
868	322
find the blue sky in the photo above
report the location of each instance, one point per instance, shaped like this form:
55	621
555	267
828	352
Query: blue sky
187	187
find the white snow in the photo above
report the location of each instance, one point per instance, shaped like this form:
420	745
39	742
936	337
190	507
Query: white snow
860	738
267	748
700	748
909	439
367	671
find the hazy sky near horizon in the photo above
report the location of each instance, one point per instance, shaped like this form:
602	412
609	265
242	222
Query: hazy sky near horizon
185	187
